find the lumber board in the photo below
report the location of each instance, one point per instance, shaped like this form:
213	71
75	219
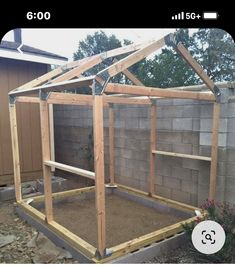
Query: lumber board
74	170
52	134
190	156
153	115
167	201
111	145
61	195
157	92
60	86
73	239
195	66
121	100
214	151
84	65
131	76
70	99
15	151
128	61
28	99
99	172
145	240
46	154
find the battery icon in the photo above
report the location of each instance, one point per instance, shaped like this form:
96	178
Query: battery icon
210	15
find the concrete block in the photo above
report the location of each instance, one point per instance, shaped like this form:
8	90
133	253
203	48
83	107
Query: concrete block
205	139
170	111
180	196
182	148
143	123
231	125
131	123
195	150
164	124
205	150
172	161
196	124
231	109
164	147
181	173
119	123
126	153
162	102
163	191
230	196
182	124
185	102
231	170
206	110
191	111
231	140
189	186
206	125
163	170
172	183
158	180
190	137
169	137
231	155
203	193
221	168
191	164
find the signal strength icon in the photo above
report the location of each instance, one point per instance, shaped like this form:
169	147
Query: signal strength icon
179	16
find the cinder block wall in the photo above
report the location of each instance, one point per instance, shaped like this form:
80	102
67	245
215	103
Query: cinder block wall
183	126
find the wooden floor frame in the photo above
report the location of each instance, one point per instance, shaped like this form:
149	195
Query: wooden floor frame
106	94
119	250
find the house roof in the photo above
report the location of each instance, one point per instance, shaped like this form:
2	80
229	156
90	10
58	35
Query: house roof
19	51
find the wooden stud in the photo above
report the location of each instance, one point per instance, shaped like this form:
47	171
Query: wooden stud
52	134
153	116
46	154
99	171
214	151
189	156
74	170
61	195
158	92
111	145
15	152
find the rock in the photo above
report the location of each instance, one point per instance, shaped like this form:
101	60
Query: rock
6	239
43	258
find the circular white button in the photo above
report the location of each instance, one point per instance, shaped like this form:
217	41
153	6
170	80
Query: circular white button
208	237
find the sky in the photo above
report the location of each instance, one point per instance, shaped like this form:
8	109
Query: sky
64	42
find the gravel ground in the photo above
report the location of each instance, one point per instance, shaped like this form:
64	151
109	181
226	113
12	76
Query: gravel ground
18	251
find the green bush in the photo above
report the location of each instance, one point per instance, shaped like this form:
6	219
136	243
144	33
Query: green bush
224	214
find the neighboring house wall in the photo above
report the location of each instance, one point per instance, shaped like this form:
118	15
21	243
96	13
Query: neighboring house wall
14	73
182	126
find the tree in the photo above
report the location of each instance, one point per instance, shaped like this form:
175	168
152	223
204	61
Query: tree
213	48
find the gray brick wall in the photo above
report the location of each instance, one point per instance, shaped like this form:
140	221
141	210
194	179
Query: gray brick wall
183	126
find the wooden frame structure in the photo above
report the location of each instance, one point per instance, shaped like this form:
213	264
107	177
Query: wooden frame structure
50	89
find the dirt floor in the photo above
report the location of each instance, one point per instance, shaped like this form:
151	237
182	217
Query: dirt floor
125	219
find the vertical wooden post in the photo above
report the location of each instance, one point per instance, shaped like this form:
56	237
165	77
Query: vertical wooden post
52	142
111	145
46	154
214	150
15	152
99	171
152	147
